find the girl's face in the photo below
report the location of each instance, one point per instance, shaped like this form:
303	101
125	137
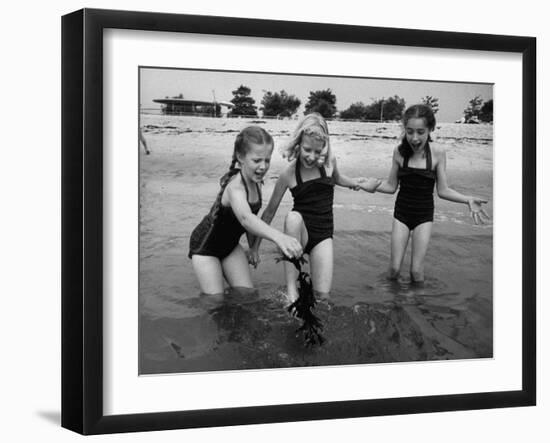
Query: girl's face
312	151
255	163
417	134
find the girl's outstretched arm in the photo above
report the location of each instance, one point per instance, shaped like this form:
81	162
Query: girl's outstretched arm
278	192
341	179
352	183
477	212
252	223
281	185
252	254
389	186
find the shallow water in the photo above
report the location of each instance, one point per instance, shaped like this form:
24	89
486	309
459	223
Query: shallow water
368	318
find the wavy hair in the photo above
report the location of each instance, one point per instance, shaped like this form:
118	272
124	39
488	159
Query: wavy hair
313	125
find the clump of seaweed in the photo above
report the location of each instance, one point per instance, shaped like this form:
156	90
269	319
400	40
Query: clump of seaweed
303	306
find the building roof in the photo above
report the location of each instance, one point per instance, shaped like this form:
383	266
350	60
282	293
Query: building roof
181	101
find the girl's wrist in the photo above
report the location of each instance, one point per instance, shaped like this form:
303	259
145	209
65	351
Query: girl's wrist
277	238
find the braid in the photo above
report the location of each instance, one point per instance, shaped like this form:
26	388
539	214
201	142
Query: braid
215	209
231	172
224	181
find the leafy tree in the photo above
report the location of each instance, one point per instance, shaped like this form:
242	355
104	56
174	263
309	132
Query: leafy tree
393	108
279	104
372	111
432	102
486	114
386	109
323	102
244	104
356	111
473	111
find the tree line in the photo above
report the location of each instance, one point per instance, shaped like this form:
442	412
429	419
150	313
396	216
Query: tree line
283	104
478	111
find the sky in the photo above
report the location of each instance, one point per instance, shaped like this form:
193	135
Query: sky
210	85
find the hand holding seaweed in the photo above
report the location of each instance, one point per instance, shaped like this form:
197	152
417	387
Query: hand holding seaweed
302	307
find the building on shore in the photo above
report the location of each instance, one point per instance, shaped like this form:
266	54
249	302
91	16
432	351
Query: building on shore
180	106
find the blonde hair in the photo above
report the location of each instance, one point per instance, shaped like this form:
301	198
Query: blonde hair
313	125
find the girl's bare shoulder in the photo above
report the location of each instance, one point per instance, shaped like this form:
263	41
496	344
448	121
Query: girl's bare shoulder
438	157
235	182
331	165
396	155
288	172
438	151
331	161
234	186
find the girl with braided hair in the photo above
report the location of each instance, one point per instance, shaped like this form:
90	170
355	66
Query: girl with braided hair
214	244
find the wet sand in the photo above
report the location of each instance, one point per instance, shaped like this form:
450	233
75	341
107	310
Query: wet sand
368	319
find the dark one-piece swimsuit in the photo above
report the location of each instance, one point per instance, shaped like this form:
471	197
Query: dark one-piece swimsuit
218	237
313	200
415	202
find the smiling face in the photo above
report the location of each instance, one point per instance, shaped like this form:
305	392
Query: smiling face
417	133
255	163
312	151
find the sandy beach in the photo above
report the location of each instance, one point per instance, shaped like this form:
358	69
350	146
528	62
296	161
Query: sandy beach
368	320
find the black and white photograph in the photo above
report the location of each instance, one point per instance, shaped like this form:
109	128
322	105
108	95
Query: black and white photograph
275	221
290	220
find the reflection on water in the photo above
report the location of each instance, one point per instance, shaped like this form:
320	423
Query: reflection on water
247	330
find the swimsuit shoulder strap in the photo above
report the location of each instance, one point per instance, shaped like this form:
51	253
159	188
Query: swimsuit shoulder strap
244	183
297	173
405	162
259	192
323	172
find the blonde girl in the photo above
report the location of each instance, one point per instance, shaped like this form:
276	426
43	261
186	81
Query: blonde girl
311	177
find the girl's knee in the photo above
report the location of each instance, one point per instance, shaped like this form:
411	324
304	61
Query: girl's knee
293	221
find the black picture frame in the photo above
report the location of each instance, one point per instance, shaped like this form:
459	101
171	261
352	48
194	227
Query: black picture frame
82	218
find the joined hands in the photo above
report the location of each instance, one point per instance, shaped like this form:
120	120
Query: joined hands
368	184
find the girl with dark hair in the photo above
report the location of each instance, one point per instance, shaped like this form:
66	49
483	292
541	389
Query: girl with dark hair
214	244
416	168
